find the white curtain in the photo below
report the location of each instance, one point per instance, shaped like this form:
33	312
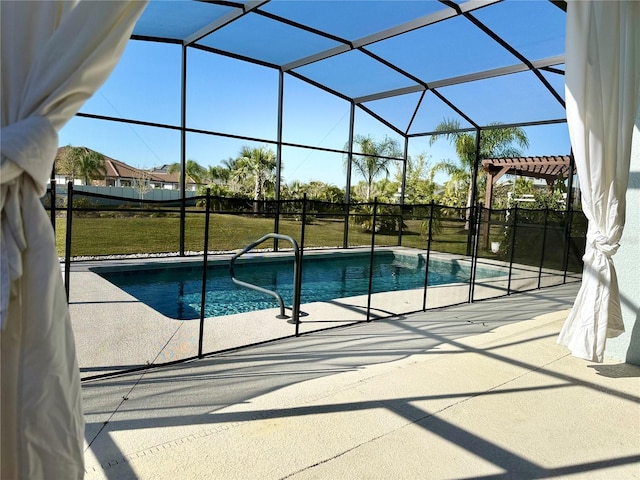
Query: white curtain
55	55
602	82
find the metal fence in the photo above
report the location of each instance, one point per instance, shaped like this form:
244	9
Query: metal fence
493	252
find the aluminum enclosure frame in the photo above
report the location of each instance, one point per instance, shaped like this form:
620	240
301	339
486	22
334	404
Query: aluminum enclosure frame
449	11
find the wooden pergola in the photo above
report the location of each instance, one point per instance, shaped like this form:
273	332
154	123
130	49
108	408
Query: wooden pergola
548	168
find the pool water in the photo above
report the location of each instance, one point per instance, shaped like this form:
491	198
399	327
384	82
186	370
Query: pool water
176	291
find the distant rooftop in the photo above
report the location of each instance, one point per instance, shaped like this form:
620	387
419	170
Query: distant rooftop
117	169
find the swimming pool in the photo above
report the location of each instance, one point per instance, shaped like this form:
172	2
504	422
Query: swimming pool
175	290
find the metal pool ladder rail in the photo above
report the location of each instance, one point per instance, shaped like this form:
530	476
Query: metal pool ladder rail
295	316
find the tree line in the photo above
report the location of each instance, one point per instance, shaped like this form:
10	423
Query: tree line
376	167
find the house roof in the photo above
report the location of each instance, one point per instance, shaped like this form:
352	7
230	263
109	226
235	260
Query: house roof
547	167
117	169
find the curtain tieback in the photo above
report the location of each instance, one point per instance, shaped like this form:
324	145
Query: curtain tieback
28	146
601	243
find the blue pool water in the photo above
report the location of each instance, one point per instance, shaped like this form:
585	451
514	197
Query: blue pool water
175	291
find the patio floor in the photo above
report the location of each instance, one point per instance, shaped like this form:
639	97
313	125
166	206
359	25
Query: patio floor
474	391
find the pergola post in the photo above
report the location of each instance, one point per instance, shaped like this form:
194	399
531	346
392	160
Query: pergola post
546	168
488	199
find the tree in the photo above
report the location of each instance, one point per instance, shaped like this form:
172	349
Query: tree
81	162
363	192
552	197
517	187
371	162
258	165
419	184
315	190
333	194
218	174
293	191
142	184
196	172
494	143
225	179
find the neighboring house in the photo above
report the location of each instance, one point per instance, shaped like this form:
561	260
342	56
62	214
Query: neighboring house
171	180
119	174
62	180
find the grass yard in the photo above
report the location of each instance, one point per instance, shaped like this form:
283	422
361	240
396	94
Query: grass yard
96	236
109	235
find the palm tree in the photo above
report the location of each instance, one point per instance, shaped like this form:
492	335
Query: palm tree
81	162
332	194
218	174
371	163
494	143
419	185
257	164
231	163
228	175
196	172
294	190
91	165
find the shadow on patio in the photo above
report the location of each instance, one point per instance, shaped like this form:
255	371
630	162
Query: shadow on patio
475	391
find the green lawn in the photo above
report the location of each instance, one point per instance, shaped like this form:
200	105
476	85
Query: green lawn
99	236
128	235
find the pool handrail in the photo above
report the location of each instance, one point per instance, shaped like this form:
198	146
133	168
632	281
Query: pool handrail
295	317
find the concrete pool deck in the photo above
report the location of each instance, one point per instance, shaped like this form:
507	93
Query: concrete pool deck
472	391
115	331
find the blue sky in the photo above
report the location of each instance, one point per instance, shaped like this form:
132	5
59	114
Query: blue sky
239	98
